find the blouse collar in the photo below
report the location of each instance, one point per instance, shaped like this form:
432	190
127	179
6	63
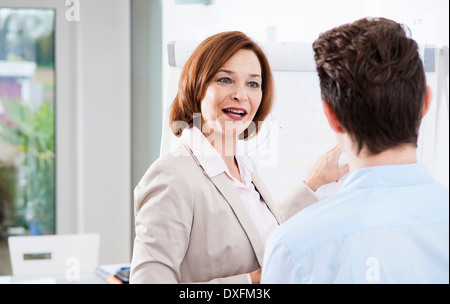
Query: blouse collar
208	157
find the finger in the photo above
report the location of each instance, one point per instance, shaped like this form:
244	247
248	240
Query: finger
344	169
336	152
336	147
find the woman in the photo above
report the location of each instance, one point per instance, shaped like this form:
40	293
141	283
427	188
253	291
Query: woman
202	212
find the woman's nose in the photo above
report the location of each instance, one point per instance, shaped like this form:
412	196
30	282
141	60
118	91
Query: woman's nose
240	93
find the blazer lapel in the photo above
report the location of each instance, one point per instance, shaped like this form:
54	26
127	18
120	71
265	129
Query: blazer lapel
229	192
265	194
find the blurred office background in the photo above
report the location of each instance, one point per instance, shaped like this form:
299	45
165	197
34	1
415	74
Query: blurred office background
83	88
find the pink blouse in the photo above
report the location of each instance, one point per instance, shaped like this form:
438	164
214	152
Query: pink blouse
213	164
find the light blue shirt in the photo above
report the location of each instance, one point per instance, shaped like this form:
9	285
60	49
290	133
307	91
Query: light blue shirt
387	224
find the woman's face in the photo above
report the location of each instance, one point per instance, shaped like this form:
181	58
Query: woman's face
233	96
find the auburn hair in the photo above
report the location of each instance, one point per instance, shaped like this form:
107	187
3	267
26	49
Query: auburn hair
199	70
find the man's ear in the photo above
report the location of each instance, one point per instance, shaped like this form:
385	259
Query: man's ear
331	117
427	101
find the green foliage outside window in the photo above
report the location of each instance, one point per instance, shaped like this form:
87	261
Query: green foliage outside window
31	132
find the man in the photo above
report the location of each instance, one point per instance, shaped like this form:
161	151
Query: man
390	221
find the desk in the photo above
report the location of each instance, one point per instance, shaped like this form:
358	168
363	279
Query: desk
57	279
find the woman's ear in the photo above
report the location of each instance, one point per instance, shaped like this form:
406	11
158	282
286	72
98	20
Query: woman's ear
427	101
331	117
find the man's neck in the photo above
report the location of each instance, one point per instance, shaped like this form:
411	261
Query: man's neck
405	154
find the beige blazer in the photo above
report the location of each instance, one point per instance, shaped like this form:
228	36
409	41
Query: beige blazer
191	228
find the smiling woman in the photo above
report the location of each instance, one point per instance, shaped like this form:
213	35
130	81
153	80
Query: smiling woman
230	104
209	62
202	212
234	95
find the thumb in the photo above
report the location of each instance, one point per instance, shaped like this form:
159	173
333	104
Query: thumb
336	152
344	169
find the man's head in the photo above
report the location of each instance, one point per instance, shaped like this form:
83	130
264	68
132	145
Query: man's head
373	83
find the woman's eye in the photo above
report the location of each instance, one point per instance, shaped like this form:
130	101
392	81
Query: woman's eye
224	80
253	84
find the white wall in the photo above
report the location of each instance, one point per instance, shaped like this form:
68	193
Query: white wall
293	20
303	21
103	99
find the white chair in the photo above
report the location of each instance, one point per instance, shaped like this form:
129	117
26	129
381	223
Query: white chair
71	254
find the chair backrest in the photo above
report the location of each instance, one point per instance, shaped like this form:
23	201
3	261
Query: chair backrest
54	254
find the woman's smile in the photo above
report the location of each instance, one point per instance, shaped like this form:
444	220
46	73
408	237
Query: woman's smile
233	95
235	113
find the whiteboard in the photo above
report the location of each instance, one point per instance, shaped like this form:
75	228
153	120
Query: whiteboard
296	132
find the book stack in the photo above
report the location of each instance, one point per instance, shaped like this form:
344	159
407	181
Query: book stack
115	273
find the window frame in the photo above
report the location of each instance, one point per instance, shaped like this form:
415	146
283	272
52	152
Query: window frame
93	126
65	121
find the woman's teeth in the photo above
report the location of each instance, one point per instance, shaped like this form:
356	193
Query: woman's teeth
237	113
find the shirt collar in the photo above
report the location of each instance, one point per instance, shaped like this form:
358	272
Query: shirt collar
388	176
208	157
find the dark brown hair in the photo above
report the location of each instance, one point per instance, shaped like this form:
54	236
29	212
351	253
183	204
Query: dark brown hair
199	70
373	78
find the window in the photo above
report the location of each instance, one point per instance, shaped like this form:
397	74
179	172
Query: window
27	125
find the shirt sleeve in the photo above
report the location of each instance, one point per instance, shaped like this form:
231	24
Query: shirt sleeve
279	265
